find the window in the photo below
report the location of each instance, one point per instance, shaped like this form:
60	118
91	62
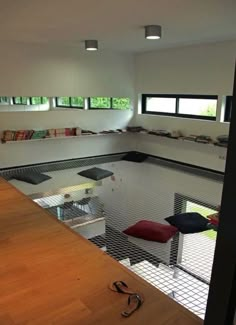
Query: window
121	103
195	251
228	108
161	104
190	106
38	100
100	102
5	100
21	100
70	102
109	103
77	102
24	104
30	100
204	211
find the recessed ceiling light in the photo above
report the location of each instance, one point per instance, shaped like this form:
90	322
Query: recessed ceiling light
153	32
91	45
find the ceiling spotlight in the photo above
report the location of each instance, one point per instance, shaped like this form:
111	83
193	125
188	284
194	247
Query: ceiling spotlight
91	45
153	32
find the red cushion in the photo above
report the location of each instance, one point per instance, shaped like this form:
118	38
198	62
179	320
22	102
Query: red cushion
213	221
151	230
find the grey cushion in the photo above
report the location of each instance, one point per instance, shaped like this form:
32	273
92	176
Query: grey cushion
96	173
31	177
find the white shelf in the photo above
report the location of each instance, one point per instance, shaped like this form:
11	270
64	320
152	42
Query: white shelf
112	134
180	139
66	137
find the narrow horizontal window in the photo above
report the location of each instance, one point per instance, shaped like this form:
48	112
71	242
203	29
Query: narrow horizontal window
187	106
4	100
198	106
100	103
38	100
70	102
21	101
160	104
116	103
63	101
121	103
77	102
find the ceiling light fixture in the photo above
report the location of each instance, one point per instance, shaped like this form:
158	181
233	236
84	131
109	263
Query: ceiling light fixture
91	45
153	32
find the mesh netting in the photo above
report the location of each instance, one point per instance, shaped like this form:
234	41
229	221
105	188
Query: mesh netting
152	190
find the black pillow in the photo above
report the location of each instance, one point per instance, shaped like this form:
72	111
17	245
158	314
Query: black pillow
31	177
189	222
96	173
135	156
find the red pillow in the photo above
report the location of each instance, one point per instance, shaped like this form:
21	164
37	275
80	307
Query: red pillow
151	230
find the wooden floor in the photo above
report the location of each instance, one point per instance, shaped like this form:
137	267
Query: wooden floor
51	275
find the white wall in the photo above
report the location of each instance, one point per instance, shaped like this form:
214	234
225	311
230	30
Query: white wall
198	154
21	153
86	119
43	70
29	152
203	69
53	71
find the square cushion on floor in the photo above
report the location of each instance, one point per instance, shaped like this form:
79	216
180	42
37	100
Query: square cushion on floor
31	177
135	156
96	173
150	230
189	222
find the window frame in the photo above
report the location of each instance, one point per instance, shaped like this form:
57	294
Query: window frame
180	205
70	103
228	108
41	100
99	108
177	97
110	108
120	109
8	102
14	100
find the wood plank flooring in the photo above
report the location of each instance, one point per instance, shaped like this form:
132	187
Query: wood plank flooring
51	275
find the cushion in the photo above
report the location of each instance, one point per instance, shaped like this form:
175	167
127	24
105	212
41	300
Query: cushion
135	156
96	173
31	177
189	222
151	230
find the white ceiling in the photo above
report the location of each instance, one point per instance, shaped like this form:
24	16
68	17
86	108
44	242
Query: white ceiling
117	24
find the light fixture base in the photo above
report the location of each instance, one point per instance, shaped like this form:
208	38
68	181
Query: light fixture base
91	45
153	32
